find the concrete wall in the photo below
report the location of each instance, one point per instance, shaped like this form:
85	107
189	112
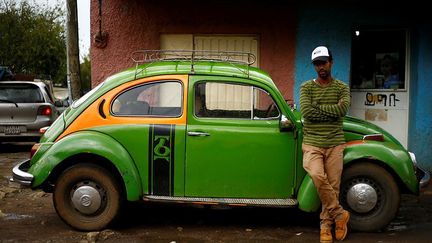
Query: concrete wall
137	24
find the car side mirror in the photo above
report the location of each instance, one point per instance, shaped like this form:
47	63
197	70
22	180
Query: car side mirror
65	103
285	124
58	103
61	103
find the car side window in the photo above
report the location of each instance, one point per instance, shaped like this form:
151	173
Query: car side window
154	99
223	100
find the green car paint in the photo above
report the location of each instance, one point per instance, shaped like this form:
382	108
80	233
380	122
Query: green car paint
308	196
161	68
254	151
220	71
137	138
389	154
356	128
89	142
211	157
43	148
386	153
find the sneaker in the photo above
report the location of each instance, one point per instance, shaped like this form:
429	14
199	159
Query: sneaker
326	235
342	225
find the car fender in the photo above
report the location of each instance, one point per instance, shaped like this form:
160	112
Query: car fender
392	155
89	142
387	153
307	197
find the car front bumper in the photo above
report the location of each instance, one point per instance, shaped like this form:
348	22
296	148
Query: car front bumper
423	176
20	175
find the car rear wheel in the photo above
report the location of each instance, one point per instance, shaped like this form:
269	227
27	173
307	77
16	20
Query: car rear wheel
371	195
87	197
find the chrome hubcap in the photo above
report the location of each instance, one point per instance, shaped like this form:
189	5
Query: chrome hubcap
86	199
362	197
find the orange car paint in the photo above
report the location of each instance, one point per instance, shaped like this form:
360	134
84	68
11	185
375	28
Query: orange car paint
86	119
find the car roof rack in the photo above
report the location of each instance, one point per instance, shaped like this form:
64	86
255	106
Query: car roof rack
232	57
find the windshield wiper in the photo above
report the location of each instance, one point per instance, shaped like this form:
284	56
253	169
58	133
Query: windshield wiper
9	101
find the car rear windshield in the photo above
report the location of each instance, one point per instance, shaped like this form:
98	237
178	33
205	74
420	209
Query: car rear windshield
20	93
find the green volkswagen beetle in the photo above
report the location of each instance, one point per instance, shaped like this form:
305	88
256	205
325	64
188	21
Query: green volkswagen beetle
201	130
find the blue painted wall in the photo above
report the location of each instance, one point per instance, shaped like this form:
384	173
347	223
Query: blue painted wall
315	29
420	130
333	25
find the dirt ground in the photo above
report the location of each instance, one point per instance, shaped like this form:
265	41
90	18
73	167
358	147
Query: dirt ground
29	216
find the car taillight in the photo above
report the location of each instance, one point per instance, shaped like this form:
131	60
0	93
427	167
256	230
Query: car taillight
45	111
34	149
43	130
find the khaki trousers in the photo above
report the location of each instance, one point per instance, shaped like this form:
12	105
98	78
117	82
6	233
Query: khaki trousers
325	165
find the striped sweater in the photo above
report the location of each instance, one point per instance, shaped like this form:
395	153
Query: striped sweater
323	113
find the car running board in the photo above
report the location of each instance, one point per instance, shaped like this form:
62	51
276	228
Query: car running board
278	202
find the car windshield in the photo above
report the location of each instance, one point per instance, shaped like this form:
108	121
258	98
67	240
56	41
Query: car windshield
20	93
86	96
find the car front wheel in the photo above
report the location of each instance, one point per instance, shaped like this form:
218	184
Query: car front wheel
87	197
371	195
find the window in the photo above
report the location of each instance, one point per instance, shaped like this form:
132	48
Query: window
86	96
21	93
378	59
223	100
154	99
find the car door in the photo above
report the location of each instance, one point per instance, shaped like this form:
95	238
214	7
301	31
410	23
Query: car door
148	118
234	146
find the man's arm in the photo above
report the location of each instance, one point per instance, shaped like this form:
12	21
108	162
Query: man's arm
341	108
309	110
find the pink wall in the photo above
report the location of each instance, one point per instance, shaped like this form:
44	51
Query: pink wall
137	24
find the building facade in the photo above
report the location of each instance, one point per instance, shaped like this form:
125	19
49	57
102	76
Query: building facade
381	52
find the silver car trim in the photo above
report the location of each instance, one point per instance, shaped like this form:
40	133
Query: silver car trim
20	175
281	202
424	181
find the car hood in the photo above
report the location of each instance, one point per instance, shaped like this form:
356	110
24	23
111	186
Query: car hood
355	128
361	127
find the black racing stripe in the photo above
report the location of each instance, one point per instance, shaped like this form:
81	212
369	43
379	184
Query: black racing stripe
162	160
150	159
172	141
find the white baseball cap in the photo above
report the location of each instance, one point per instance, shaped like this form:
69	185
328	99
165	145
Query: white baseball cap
321	53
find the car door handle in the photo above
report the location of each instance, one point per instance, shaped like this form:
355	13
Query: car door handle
198	134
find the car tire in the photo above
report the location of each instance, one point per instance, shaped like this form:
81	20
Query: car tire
87	197
371	195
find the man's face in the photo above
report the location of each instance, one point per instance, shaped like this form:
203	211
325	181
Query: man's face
323	68
386	66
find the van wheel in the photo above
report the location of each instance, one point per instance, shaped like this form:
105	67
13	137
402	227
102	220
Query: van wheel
87	197
371	195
